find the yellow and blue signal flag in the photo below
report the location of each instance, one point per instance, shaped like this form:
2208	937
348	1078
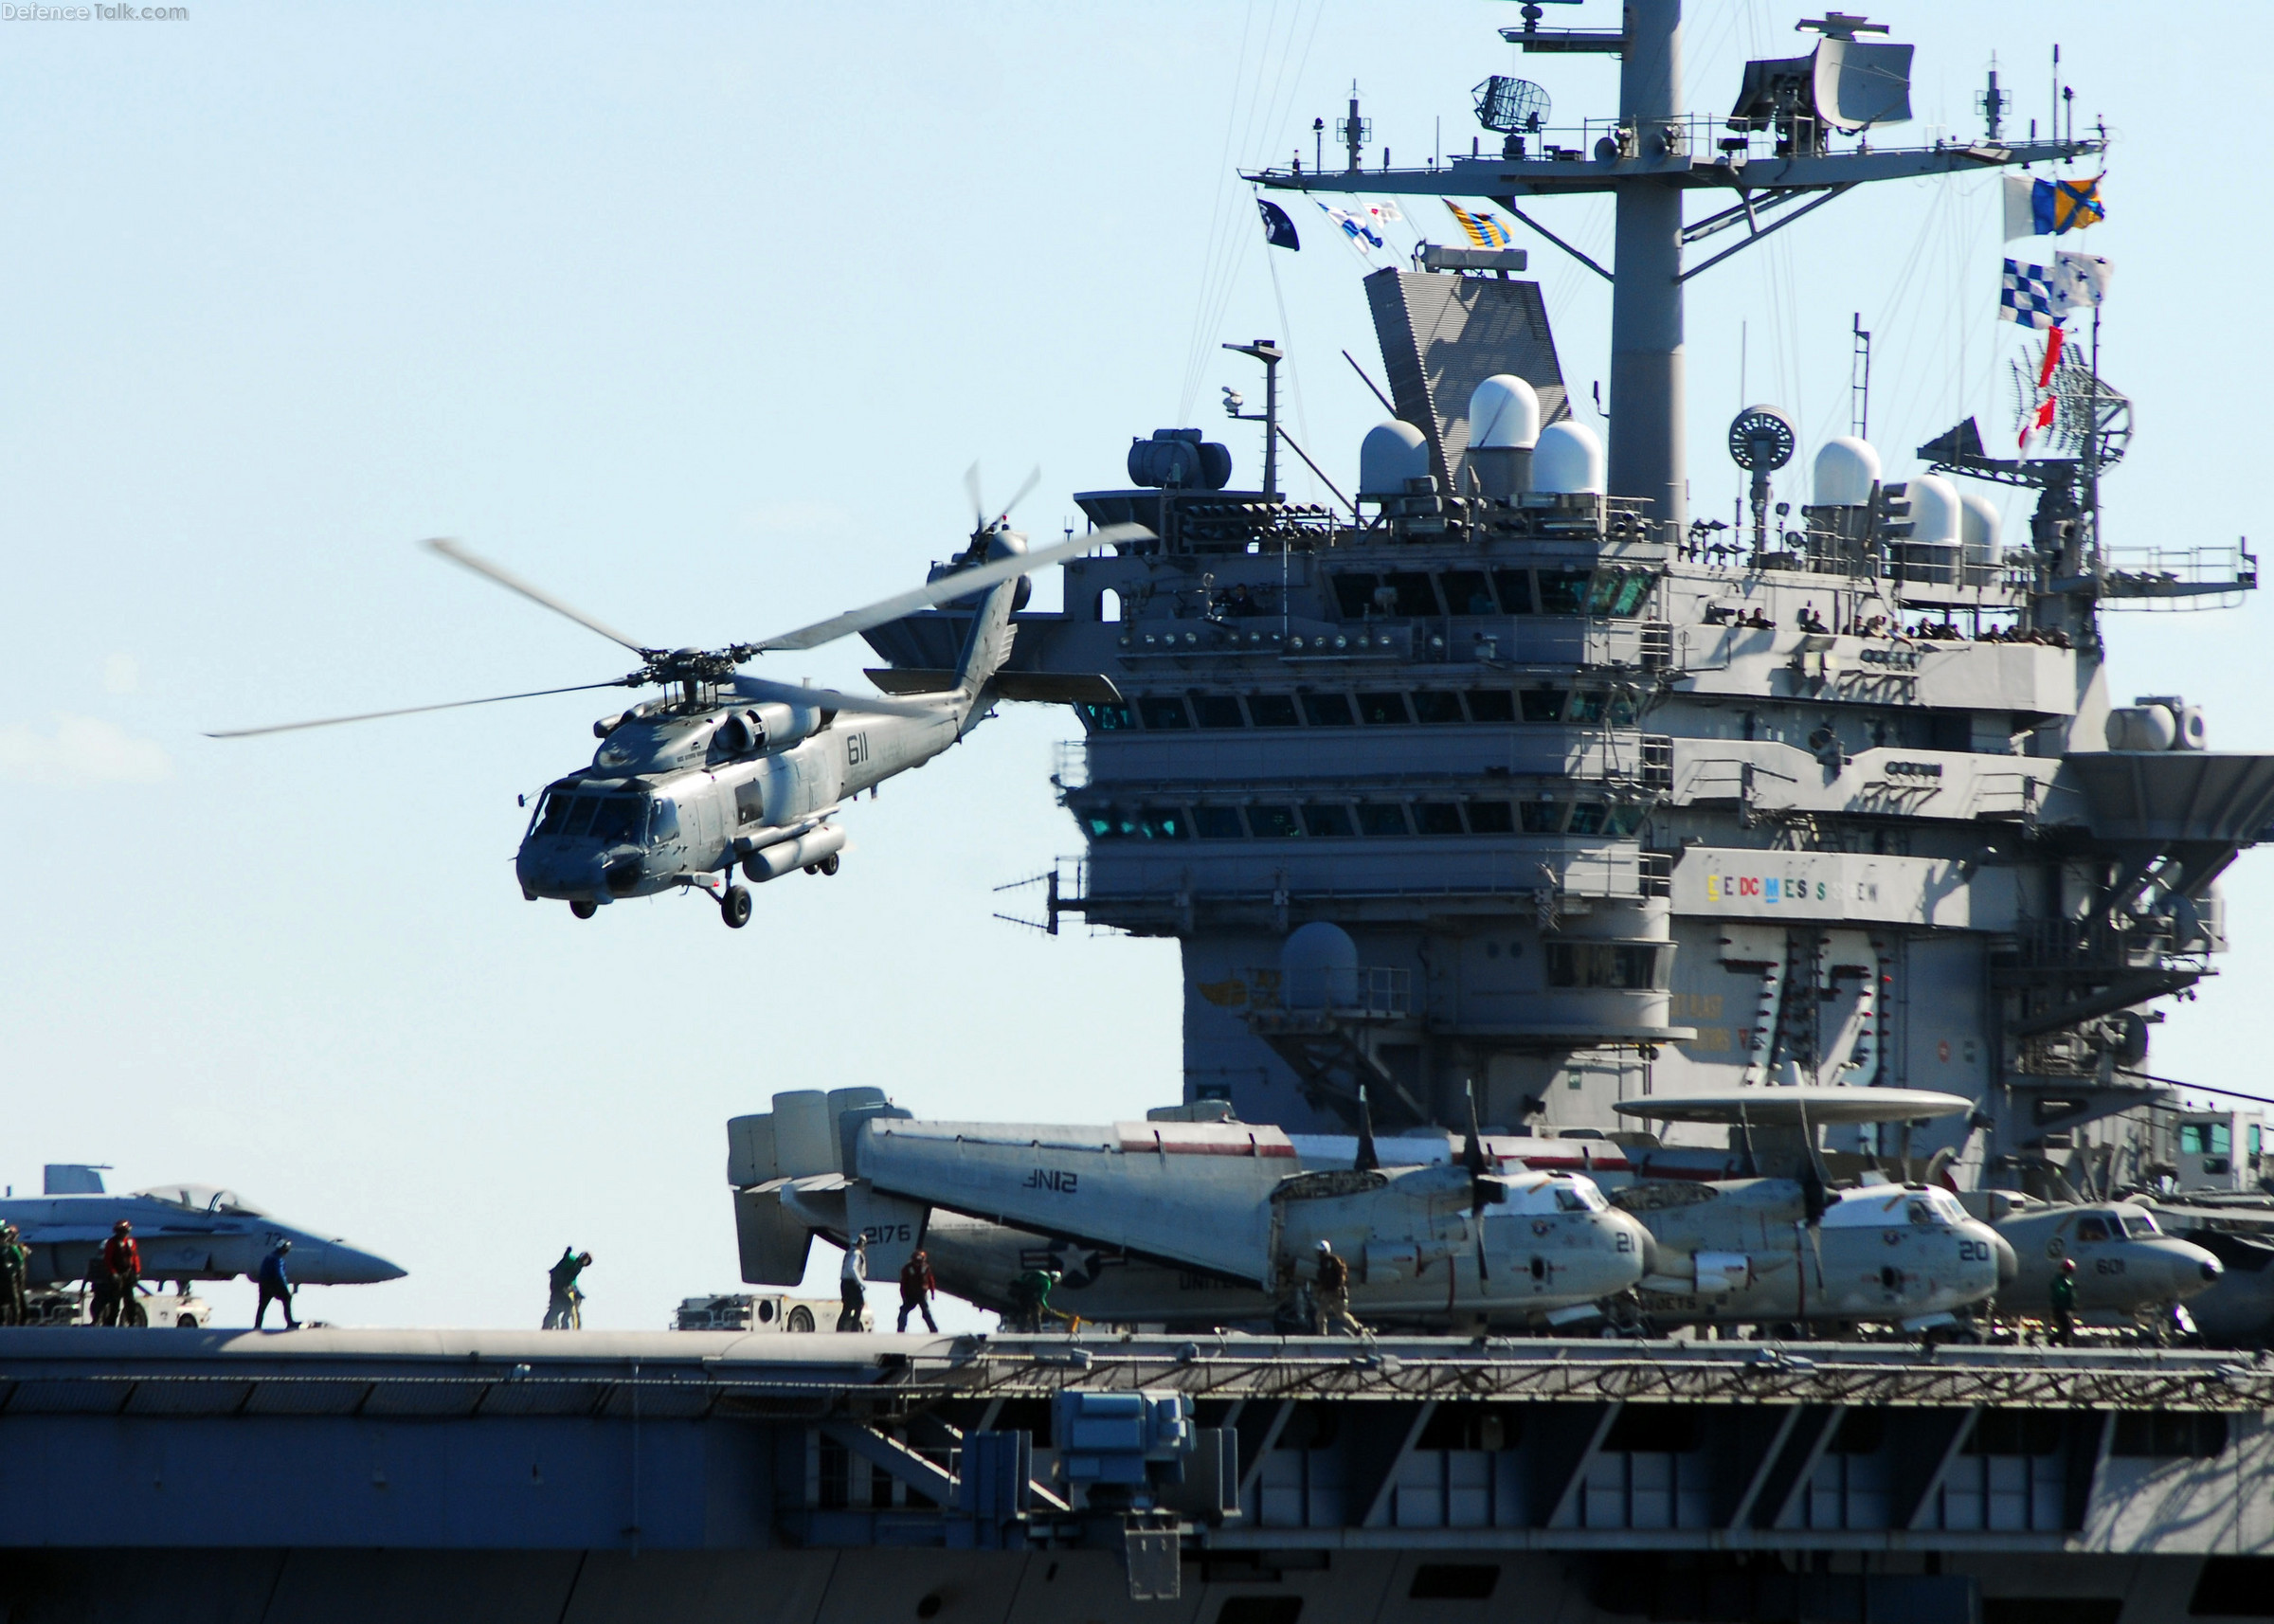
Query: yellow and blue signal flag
1278	230
1484	231
2049	208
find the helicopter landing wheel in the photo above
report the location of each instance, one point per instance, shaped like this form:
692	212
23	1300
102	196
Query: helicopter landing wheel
828	864
583	910
735	908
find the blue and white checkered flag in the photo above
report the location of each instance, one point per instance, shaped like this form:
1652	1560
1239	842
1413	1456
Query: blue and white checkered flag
2028	297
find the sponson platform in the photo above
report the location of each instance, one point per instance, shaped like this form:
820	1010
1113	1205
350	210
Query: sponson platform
504	1476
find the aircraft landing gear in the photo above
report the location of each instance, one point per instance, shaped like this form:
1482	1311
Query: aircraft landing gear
828	864
735	908
583	910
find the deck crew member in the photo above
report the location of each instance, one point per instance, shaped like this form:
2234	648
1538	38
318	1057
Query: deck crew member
276	1286
122	1262
1330	1295
917	1287
566	1311
15	1269
851	1281
2064	1296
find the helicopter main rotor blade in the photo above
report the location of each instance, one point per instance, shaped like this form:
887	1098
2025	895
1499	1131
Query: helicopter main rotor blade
829	699
979	505
414	710
1023	491
948	588
512	583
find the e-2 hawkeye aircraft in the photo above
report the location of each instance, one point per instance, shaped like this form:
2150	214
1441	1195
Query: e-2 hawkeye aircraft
729	769
1786	1247
1183	1223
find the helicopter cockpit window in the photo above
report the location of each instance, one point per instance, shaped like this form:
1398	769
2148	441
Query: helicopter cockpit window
554	818
618	817
662	822
580	816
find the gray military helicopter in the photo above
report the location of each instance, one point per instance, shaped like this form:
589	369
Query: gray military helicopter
1789	1248
183	1232
729	769
1196	1224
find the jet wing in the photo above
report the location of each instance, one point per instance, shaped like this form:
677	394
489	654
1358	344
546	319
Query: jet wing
1193	1194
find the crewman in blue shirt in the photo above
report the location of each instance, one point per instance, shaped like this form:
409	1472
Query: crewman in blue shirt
275	1286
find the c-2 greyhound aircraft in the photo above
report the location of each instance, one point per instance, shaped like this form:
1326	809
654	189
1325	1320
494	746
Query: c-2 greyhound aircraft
1183	1222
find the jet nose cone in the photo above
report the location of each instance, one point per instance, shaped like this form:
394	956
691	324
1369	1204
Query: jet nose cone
339	1264
2009	1266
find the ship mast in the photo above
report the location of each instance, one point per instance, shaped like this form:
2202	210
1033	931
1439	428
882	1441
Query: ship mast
1647	161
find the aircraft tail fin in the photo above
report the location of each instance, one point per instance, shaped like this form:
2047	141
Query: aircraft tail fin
74	1179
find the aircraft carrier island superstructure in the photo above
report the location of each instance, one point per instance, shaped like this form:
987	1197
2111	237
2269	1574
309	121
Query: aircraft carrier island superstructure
1497	777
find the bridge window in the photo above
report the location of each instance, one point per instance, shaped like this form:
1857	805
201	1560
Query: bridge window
1587	817
1382	818
1437	816
1327	709
1217	710
1466	591
1543	704
2205	1139
1271	710
1435	705
1410	593
1217	823
1491	705
1164	711
1377	708
1163	823
1515	590
1564	591
1272	822
1542	817
1327	821
1354	594
1616	965
1491	818
1106	718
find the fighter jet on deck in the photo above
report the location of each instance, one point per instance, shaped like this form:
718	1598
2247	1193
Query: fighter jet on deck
185	1231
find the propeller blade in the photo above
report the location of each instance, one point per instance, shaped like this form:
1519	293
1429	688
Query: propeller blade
1367	1159
979	505
413	709
512	583
828	698
960	584
1025	491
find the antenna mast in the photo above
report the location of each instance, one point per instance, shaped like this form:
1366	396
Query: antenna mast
1859	381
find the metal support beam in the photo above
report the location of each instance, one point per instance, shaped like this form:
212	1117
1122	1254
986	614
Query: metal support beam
1377	1509
894	1459
1769	230
1796	1492
1741	1514
1923	1499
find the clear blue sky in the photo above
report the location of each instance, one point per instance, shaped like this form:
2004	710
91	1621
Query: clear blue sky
698	315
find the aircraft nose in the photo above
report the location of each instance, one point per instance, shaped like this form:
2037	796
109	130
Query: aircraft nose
2009	1265
2193	1268
339	1264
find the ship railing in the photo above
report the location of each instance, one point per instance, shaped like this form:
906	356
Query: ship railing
2094	944
2178	577
1070	765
